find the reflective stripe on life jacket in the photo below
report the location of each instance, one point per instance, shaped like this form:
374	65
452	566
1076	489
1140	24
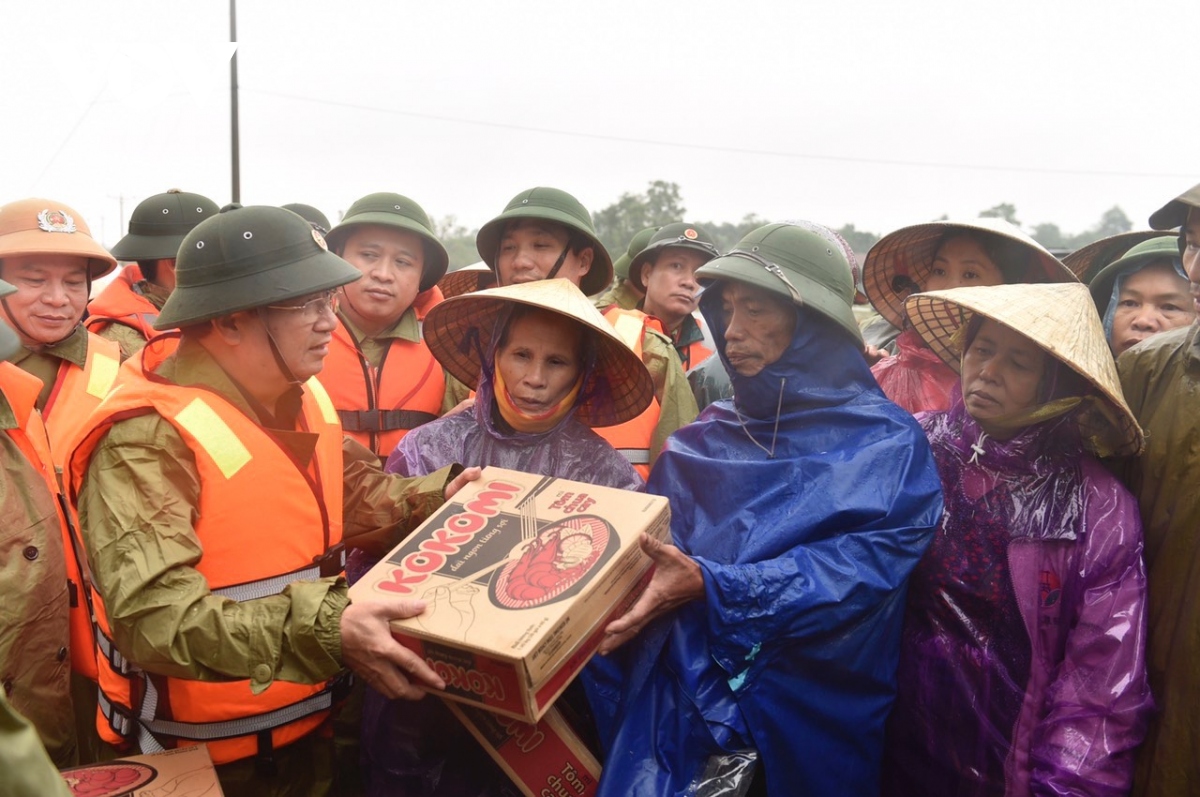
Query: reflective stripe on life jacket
632	438
378	406
77	392
120	303
251	489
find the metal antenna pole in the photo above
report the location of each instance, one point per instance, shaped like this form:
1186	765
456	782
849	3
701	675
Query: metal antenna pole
233	105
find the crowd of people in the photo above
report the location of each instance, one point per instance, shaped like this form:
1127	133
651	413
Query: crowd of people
943	549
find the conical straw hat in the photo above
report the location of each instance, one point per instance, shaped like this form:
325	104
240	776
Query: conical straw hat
459	330
902	259
1059	318
466	279
1087	261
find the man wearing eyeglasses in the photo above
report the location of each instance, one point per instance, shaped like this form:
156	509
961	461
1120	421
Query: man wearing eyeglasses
216	494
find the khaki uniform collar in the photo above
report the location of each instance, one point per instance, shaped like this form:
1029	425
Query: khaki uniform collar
8	418
72	348
406	328
193	366
152	293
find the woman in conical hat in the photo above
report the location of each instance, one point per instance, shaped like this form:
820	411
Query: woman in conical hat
941	255
1022	666
546	367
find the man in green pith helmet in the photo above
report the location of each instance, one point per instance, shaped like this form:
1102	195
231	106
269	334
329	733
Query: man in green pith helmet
380	374
665	272
126	309
217	496
318	220
545	233
624	293
1159	377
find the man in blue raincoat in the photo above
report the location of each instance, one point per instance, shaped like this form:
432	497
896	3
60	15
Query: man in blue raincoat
799	509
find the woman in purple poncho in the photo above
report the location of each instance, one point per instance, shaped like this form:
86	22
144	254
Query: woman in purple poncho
546	367
1022	666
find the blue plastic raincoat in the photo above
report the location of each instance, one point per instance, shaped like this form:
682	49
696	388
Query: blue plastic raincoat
805	554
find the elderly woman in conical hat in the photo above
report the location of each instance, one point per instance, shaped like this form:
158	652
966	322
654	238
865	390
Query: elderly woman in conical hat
942	255
546	368
1022	665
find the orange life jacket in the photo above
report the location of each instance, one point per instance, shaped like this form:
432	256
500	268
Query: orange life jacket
120	303
296	530
21	390
378	406
77	392
632	438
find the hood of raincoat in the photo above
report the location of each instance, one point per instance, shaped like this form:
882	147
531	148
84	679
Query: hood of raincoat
805	555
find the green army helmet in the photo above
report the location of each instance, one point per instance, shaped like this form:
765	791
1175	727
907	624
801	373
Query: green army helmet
549	204
247	257
318	220
796	262
158	225
636	244
681	234
393	210
10	342
1174	213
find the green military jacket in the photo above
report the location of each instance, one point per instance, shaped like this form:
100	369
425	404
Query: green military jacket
35	667
1161	381
136	506
25	771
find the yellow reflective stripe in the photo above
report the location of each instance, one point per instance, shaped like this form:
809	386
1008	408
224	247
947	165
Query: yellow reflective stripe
324	403
629	329
214	436
102	372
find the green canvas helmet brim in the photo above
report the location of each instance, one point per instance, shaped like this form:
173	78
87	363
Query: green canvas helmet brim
246	258
437	259
675	234
487	242
1174	213
160	223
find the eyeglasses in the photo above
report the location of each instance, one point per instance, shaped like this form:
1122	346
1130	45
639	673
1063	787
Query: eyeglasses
313	308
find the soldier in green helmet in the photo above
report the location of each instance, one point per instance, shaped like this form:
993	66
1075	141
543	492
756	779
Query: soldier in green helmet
545	233
217	496
624	293
126	309
380	374
665	273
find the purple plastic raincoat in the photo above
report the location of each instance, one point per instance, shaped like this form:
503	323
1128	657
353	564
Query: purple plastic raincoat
1022	669
419	748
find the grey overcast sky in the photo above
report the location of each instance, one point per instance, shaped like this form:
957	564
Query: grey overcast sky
875	113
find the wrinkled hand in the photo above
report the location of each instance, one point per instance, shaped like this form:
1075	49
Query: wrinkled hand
462	480
873	354
369	649
677	579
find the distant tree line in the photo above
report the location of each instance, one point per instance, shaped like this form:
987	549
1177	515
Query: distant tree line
662	203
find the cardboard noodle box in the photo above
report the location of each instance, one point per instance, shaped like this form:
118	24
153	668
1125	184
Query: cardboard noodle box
520	573
185	771
542	760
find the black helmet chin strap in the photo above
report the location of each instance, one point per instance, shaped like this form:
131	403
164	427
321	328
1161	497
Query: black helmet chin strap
288	375
559	263
12	319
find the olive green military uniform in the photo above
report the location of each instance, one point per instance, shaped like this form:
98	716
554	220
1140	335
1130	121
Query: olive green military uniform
25	769
45	362
35	669
622	295
125	336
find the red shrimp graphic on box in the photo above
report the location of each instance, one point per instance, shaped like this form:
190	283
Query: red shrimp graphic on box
109	780
524	562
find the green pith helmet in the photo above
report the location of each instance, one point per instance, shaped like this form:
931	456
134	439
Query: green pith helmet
549	204
318	220
159	224
1163	248
10	342
248	257
393	210
1174	213
796	263
636	244
681	234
